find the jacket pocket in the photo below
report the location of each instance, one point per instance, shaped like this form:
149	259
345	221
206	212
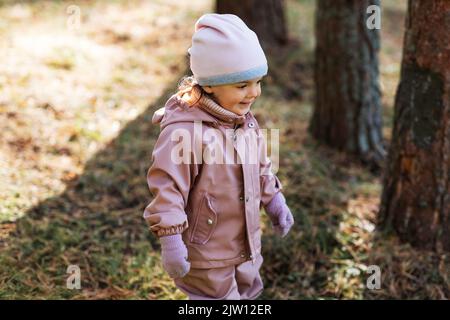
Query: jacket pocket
205	221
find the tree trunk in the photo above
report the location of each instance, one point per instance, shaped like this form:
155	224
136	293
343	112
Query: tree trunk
416	194
265	17
347	113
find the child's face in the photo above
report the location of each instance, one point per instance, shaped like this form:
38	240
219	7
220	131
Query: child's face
236	97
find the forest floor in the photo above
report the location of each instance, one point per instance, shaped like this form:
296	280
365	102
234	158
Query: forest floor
76	140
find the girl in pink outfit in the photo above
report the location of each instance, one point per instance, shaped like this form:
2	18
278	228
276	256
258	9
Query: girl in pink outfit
210	173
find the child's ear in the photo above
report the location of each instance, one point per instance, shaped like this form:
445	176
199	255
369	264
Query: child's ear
207	89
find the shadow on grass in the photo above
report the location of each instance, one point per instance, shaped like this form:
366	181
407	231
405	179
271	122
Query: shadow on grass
95	224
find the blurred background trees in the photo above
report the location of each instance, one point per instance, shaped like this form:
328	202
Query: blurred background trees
347	110
265	17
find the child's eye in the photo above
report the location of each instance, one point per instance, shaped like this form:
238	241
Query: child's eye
243	86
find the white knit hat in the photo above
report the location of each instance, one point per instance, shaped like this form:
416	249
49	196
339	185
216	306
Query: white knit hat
224	50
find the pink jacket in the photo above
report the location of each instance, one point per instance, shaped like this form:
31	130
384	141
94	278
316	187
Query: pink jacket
215	206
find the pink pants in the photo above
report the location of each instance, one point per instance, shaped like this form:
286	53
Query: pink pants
238	282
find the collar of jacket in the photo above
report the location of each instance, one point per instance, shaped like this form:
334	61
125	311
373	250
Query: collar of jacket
219	112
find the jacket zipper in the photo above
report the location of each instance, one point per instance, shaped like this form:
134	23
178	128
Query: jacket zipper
252	255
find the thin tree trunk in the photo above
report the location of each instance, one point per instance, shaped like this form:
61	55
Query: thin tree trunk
347	113
416	194
265	17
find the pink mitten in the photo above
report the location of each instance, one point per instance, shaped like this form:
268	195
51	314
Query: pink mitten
174	256
279	214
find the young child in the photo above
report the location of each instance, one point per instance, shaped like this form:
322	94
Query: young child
206	214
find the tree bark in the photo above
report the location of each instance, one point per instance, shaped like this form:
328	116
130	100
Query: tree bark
347	113
265	17
416	195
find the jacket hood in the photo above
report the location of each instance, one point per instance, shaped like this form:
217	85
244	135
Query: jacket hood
176	110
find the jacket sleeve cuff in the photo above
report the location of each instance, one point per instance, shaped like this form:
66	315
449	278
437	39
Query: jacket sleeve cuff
178	229
166	223
270	186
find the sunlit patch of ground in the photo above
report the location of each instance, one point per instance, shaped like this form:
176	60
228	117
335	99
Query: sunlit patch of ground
66	91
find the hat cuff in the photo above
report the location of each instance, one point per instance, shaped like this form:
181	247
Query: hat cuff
233	77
